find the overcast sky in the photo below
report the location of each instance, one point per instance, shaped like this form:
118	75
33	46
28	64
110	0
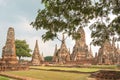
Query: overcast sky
19	14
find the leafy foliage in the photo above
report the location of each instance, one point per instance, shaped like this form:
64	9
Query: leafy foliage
107	6
67	15
63	16
22	49
103	29
116	24
100	32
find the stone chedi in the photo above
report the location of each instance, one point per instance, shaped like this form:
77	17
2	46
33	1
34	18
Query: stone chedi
9	50
9	59
36	57
80	50
108	53
61	55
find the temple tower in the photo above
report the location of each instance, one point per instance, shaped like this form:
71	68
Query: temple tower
80	50
9	50
63	52
9	59
106	53
109	53
61	55
36	57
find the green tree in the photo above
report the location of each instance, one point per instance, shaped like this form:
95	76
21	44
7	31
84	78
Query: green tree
100	33
67	15
116	25
102	28
63	16
22	49
48	58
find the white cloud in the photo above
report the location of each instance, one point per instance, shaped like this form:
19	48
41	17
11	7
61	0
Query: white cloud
24	31
24	24
3	2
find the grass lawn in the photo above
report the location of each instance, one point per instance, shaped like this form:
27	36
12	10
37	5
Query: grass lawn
53	75
66	69
4	78
104	66
49	75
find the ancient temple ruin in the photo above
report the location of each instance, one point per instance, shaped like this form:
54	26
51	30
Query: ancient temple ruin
61	55
9	60
108	53
37	59
9	50
80	50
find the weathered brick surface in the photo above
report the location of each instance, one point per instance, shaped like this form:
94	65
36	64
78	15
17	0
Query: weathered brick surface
37	59
61	55
80	50
106	75
108	53
9	59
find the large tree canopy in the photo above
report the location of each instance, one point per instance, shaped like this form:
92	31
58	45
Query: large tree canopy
103	29
63	16
22	49
67	15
